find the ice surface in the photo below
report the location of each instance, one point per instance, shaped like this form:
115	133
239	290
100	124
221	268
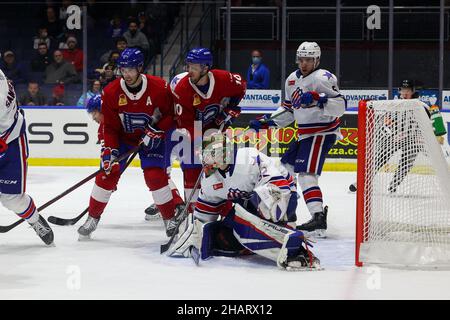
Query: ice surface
122	260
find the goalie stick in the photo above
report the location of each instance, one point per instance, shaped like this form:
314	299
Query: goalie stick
4	229
70	222
164	247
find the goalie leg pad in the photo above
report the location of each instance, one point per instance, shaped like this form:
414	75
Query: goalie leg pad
192	236
267	239
218	240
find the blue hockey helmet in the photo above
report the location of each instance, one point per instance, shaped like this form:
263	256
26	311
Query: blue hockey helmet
200	56
94	103
131	58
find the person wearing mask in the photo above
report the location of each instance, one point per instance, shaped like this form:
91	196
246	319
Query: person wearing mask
258	75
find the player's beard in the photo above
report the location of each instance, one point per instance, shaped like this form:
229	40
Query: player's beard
199	78
135	83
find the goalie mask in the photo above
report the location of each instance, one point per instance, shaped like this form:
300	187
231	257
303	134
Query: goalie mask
216	153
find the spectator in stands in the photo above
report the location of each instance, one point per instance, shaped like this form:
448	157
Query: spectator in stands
63	10
41	58
258	75
73	54
117	27
52	23
135	38
147	29
60	71
120	44
95	89
33	97
63	39
13	70
108	75
57	96
41	37
111	60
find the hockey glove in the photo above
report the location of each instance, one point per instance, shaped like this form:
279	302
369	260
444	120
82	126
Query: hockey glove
153	137
306	99
109	163
3	147
262	122
232	112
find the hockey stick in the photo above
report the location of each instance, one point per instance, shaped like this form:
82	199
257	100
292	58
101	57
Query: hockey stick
4	229
166	246
69	222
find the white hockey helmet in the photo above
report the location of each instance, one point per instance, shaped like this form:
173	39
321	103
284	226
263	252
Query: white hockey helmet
216	151
308	50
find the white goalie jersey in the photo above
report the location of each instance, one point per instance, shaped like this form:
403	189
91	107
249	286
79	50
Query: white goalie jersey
313	120
252	172
11	120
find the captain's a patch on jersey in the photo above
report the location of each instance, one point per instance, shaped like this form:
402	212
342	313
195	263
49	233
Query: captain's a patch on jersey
122	100
291	82
218	186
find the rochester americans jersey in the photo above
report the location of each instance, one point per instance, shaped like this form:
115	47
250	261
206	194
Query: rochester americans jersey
313	120
252	172
11	120
126	115
191	104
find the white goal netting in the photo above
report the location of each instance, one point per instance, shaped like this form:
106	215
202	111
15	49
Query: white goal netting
406	193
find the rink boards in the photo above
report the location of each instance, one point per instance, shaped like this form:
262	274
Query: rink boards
66	136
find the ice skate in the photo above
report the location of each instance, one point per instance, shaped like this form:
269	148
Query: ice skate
171	224
317	226
43	230
87	228
304	261
152	213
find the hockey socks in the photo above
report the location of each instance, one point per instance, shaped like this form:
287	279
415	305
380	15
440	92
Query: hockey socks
157	181
309	184
22	204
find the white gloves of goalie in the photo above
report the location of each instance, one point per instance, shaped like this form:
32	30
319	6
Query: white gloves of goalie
274	202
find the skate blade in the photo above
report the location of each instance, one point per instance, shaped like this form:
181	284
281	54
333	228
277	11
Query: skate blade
317	234
82	238
315	267
152	217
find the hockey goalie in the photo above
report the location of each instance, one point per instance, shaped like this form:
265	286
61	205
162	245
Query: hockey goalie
256	201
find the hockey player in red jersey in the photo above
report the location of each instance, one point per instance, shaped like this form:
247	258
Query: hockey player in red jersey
208	97
136	108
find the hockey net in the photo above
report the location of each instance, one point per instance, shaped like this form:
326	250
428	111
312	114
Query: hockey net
403	196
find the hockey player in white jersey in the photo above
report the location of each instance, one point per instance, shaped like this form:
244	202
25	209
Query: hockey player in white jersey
13	163
313	100
258	199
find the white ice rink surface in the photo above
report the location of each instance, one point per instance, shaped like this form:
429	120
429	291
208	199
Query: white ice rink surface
122	260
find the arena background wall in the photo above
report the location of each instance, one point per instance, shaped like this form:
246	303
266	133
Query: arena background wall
66	136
